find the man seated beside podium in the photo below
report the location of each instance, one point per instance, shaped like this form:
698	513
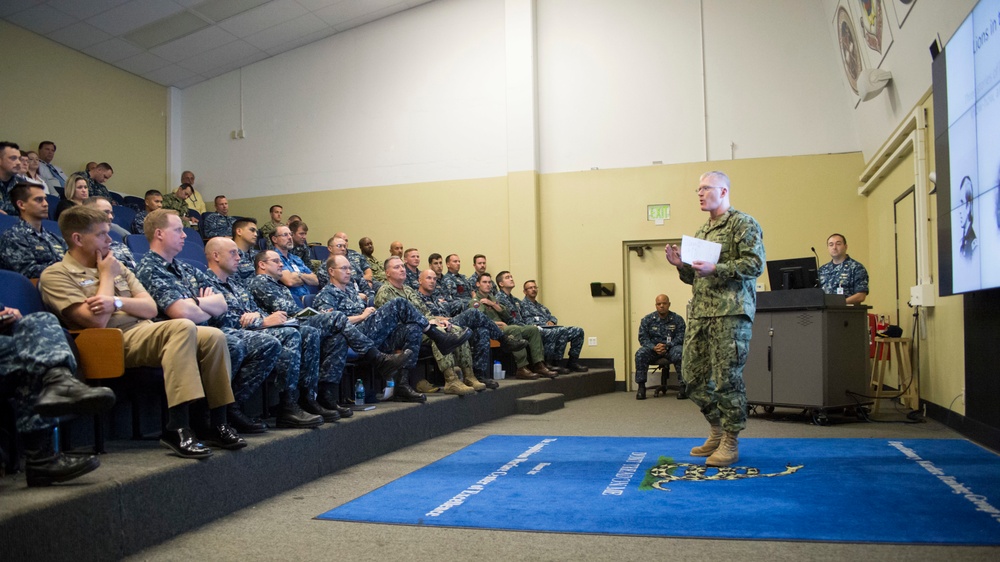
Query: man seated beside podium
843	275
661	336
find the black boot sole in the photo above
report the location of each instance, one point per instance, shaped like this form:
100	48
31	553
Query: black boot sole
41	480
85	406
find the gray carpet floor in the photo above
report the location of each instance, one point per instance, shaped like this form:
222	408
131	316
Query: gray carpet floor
283	528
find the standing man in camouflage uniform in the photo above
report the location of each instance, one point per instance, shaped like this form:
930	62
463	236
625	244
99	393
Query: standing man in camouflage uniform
182	291
374	264
177	201
218	223
483	330
336	333
661	336
720	318
268	228
245	236
297	368
36	373
90	288
27	247
843	275
530	361
534	312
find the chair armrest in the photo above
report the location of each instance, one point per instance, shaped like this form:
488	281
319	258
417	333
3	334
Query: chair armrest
102	352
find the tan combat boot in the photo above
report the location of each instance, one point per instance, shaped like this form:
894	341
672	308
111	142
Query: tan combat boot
710	445
728	451
470	380
454	385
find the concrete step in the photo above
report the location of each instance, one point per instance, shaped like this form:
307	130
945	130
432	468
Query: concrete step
540	403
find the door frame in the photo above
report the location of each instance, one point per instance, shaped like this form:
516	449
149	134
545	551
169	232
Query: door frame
629	246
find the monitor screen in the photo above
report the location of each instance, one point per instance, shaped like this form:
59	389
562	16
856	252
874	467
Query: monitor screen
796	273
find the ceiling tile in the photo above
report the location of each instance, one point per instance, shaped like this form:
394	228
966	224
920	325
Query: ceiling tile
83	10
133	15
169	75
167	29
79	36
112	50
190	46
196	79
219	10
313	5
259	19
8	7
369	17
342	12
142	63
287	32
42	19
301	41
220	56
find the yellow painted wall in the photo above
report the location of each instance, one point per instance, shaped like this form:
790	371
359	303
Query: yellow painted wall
90	109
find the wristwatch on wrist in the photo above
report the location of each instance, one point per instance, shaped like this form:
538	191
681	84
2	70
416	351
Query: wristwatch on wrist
118	304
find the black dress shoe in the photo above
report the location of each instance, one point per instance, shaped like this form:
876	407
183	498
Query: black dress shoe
557	369
405	393
58	468
490	383
222	436
640	394
292	417
183	443
312	407
682	393
244	423
62	394
344	411
446	341
576	367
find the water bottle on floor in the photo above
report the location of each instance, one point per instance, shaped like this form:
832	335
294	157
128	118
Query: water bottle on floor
359	393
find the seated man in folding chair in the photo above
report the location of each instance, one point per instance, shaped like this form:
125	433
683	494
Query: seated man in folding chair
36	372
661	337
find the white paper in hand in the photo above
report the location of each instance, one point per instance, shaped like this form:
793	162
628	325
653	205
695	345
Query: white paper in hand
695	249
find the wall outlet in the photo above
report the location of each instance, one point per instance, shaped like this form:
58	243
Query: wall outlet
591	342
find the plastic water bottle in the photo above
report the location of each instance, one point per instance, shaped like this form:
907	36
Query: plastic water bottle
390	387
359	393
497	370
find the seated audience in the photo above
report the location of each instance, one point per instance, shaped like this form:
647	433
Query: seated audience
196	201
153	201
295	274
119	249
75	194
268	228
458	287
534	312
10	175
97	177
220	223
177	201
245	236
374	264
53	175
32	175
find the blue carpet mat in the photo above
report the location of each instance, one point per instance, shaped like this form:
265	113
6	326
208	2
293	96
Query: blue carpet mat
937	491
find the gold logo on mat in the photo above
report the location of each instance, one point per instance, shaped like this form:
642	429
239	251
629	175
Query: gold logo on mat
666	471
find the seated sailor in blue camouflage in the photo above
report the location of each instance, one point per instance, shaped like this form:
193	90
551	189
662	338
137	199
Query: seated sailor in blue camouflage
218	223
297	368
445	338
550	339
534	312
183	291
456	285
483	330
397	325
245	236
360	263
36	375
661	337
97	176
10	175
300	244
843	275
153	201
336	332
27	248
441	293
338	247
411	261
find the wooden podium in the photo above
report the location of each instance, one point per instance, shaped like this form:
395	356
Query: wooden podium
809	350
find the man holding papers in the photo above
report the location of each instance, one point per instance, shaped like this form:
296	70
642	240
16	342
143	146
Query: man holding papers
720	316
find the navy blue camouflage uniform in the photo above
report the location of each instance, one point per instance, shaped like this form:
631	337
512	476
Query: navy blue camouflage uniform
298	364
654	330
848	278
253	354
336	332
217	225
387	294
28	251
138	222
555	338
6	203
28	349
246	270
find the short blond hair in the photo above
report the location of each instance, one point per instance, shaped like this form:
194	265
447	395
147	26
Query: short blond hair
157	220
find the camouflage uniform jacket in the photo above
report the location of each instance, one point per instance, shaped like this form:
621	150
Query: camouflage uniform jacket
412	278
513	306
654	330
246	270
217	225
169	282
345	300
849	275
457	286
138	222
378	270
239	301
502	316
172	201
434	305
28	251
265	231
534	312
387	292
731	290
6	204
272	296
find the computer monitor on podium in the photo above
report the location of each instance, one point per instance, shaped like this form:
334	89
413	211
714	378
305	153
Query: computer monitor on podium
796	273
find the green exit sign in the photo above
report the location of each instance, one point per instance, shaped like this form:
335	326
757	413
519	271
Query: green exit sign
658	212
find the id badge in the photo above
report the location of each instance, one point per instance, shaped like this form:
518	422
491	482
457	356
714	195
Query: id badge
840	290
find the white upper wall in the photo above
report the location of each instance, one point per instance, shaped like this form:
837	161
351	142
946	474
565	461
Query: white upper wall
417	96
426	94
909	60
